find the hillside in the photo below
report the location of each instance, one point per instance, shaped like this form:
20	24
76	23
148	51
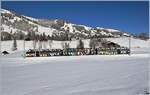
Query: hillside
18	25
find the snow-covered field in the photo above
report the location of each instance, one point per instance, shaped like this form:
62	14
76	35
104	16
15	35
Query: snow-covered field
75	75
135	44
7	45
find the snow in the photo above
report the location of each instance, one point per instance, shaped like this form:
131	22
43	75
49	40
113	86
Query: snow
49	31
86	28
5	11
125	34
7	45
68	25
113	30
9	29
72	28
103	33
46	30
135	43
14	19
100	28
75	75
31	18
41	29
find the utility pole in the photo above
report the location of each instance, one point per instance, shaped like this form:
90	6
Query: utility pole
34	41
24	53
130	45
0	40
39	47
0	35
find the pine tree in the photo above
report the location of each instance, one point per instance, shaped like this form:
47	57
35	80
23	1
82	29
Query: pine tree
50	43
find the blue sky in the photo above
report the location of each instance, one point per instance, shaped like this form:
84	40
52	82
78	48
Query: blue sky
127	16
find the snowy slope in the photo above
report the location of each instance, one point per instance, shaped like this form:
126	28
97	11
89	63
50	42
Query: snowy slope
11	19
135	43
34	19
4	11
46	30
11	29
30	20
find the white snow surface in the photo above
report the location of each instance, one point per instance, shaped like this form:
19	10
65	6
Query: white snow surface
5	11
113	30
135	42
46	30
7	45
31	18
74	75
11	29
123	41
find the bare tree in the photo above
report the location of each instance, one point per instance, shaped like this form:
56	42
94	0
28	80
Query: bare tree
50	43
14	47
80	44
34	44
65	45
94	43
40	41
143	36
40	45
44	44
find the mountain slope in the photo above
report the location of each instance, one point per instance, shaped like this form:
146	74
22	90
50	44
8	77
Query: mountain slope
13	23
